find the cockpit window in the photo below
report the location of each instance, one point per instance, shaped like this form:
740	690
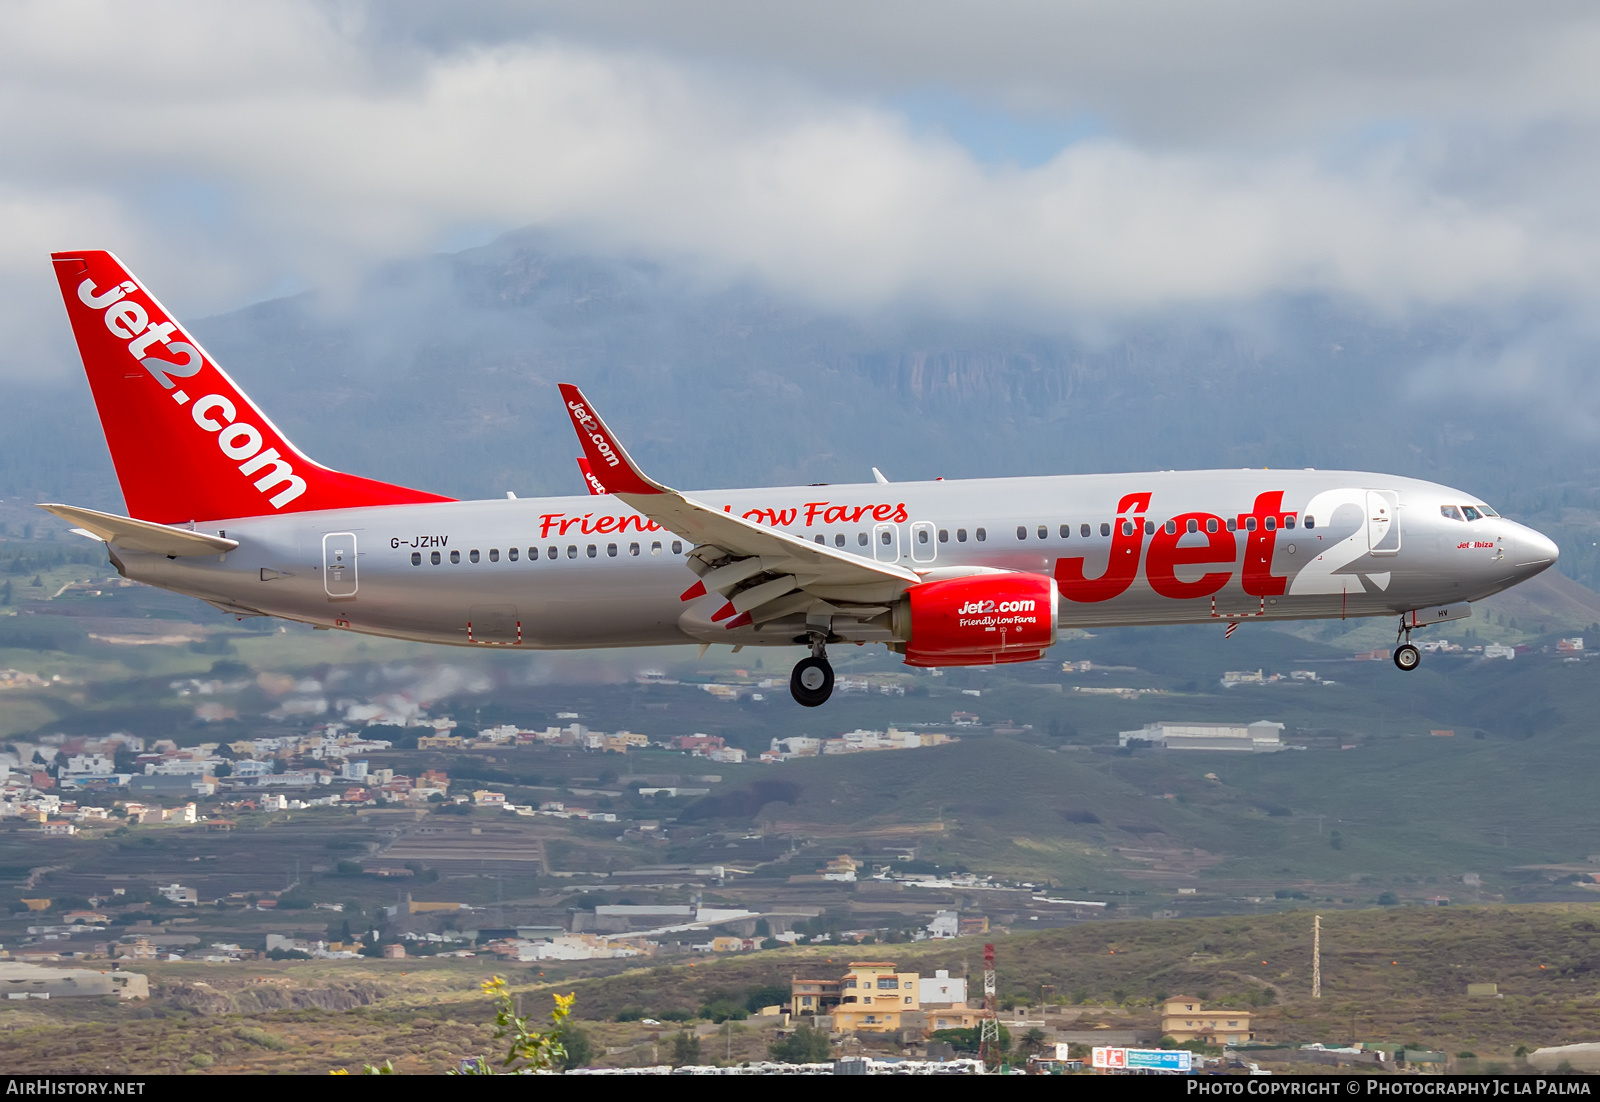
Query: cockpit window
1472	514
1486	511
1450	512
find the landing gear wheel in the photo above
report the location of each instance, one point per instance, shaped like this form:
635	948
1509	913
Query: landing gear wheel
1407	657
811	683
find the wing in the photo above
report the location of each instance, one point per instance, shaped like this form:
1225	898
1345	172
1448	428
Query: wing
141	535
765	572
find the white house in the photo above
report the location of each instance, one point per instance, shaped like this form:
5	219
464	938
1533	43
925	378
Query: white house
941	988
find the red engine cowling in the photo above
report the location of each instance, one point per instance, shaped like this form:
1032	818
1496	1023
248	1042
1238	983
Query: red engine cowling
981	620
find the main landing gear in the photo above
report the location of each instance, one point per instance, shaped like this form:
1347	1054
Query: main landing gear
1406	656
811	683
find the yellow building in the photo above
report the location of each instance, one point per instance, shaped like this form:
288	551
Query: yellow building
1182	1019
873	996
623	741
955	1016
812	996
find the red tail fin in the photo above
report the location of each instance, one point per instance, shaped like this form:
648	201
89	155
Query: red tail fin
188	444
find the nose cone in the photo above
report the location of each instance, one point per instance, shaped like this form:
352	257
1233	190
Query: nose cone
1535	551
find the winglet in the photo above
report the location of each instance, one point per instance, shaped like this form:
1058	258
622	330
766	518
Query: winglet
589	480
608	459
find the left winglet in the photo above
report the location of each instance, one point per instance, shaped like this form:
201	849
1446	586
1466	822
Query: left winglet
608	459
596	488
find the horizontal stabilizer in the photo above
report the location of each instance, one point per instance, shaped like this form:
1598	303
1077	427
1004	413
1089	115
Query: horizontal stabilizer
142	535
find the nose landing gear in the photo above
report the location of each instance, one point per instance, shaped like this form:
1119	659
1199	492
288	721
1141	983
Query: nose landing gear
1406	656
811	683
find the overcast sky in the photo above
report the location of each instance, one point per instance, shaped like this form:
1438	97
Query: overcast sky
1077	163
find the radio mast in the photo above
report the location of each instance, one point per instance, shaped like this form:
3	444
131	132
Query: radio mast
989	1027
1316	957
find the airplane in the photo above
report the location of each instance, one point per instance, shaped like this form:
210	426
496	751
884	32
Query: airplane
222	507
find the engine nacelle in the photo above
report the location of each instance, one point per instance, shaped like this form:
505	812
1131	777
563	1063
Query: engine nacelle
979	620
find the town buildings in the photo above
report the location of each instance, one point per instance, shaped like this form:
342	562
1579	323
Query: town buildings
873	997
1262	736
1183	1019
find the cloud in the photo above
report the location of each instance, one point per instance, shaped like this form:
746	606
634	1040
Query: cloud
226	155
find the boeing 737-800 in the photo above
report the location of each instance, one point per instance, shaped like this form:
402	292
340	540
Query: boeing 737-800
947	573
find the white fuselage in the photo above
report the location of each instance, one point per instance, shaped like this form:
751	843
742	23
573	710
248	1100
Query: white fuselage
576	572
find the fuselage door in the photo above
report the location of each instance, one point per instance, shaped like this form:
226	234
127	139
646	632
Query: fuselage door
1383	522
923	547
339	564
886	543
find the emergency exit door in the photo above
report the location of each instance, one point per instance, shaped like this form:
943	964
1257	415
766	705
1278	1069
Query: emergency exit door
1383	522
339	564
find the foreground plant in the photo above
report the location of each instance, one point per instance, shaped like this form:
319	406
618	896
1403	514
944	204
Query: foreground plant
528	1051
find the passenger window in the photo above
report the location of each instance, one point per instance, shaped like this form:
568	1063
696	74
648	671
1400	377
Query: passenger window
884	537
961	535
1272	524
1211	524
512	555
1233	525
1250	524
611	550
1083	530
819	539
1172	527
1288	521
838	540
455	556
1311	521
677	547
1066	531
981	534
633	549
572	550
922	536
944	535
494	554
1043	531
416	558
1472	514
592	551
1127	528
1149	527
1105	529
861	539
434	558
1022	532
550	553
1194	525
473	554
655	548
